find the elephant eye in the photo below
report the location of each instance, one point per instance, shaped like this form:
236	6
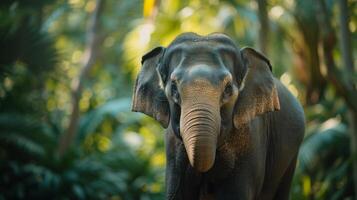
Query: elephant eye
228	91
174	92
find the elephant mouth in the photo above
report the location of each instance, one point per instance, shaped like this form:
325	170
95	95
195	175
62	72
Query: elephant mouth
177	132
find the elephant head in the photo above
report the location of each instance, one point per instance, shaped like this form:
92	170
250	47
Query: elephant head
202	87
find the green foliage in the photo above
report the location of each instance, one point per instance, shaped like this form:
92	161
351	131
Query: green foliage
324	165
117	154
98	171
101	164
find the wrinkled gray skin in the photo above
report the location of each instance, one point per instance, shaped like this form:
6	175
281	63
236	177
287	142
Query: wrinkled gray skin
233	130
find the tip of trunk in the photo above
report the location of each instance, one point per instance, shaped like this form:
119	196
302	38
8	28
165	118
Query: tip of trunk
202	159
203	167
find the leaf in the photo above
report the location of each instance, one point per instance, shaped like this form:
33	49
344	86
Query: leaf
317	148
113	109
22	144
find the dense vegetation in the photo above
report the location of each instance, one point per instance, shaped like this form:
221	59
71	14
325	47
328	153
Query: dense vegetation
67	68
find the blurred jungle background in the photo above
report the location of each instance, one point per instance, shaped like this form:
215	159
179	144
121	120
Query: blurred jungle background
67	70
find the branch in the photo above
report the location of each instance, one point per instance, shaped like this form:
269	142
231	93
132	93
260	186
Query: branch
264	26
89	58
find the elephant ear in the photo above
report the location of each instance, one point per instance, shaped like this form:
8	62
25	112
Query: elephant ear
258	93
149	96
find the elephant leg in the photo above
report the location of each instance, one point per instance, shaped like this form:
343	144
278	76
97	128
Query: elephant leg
283	190
238	187
184	187
173	172
182	182
241	184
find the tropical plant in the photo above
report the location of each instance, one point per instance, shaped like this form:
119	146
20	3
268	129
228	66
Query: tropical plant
119	154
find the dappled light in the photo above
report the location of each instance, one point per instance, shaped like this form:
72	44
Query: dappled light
67	70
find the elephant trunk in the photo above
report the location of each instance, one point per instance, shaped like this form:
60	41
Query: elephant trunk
200	126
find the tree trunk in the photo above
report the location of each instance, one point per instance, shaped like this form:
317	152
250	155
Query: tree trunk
264	28
345	36
304	14
338	78
341	80
89	58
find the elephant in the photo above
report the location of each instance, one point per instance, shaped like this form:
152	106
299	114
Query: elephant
233	130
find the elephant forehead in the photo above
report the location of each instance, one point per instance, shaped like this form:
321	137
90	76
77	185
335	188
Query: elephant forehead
197	55
201	72
203	75
214	38
200	87
201	47
188	55
211	54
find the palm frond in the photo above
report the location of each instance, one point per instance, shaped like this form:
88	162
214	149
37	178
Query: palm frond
319	147
116	109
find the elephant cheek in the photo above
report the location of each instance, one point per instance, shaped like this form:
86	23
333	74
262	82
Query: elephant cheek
199	131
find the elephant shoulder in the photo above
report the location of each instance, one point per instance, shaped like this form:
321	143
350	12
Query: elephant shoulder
291	111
